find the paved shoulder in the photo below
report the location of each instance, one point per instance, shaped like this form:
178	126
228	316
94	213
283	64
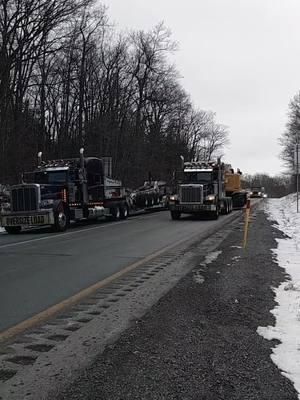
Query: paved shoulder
200	340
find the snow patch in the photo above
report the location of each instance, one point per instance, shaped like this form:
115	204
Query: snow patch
209	258
198	278
286	355
236	258
236	247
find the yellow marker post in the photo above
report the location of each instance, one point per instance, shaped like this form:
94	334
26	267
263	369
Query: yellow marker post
246	226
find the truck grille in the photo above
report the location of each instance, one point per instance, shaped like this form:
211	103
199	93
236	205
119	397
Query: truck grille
24	198
191	194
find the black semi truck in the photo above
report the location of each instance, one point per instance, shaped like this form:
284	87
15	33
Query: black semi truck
61	191
201	190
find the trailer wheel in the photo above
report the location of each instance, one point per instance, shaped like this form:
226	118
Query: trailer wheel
61	221
224	207
13	230
124	212
175	215
227	207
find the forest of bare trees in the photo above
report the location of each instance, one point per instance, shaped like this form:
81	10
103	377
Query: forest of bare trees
291	136
68	79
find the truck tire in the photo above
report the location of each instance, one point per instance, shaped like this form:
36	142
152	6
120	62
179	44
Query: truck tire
215	214
228	207
175	215
13	230
116	213
124	212
61	221
224	208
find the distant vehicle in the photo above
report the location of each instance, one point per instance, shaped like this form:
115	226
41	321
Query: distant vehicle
257	192
67	190
202	191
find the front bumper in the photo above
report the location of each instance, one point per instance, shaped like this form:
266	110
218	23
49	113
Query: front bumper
192	208
27	219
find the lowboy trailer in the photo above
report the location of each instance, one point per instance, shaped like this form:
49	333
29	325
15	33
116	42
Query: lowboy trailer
61	191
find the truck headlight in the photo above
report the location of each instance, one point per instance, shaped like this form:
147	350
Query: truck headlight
47	203
210	197
173	197
5	206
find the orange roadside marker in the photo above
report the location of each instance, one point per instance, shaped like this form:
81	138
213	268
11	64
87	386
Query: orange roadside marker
246	226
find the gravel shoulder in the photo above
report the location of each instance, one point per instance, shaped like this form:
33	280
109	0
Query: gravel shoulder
200	341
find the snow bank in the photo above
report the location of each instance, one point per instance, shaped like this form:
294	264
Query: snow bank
287	313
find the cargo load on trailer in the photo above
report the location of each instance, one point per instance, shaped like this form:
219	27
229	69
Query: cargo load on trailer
151	194
233	187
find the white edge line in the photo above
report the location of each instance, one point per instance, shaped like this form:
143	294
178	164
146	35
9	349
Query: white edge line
62	234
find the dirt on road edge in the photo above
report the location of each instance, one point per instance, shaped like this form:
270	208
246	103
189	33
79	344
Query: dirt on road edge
199	341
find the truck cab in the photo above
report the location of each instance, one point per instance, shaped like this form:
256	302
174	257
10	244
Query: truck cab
201	190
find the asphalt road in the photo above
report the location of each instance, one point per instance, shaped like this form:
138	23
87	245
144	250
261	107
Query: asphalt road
39	269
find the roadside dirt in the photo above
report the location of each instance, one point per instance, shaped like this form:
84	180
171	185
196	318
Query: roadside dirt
199	341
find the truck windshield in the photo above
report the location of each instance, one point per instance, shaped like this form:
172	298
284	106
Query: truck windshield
198	177
51	177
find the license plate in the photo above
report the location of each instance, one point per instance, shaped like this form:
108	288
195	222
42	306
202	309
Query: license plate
193	207
25	220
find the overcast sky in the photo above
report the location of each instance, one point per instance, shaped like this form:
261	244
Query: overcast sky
239	58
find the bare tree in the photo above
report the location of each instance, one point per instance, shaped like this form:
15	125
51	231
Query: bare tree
67	79
291	136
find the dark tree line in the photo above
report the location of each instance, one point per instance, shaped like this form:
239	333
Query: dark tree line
291	136
68	79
